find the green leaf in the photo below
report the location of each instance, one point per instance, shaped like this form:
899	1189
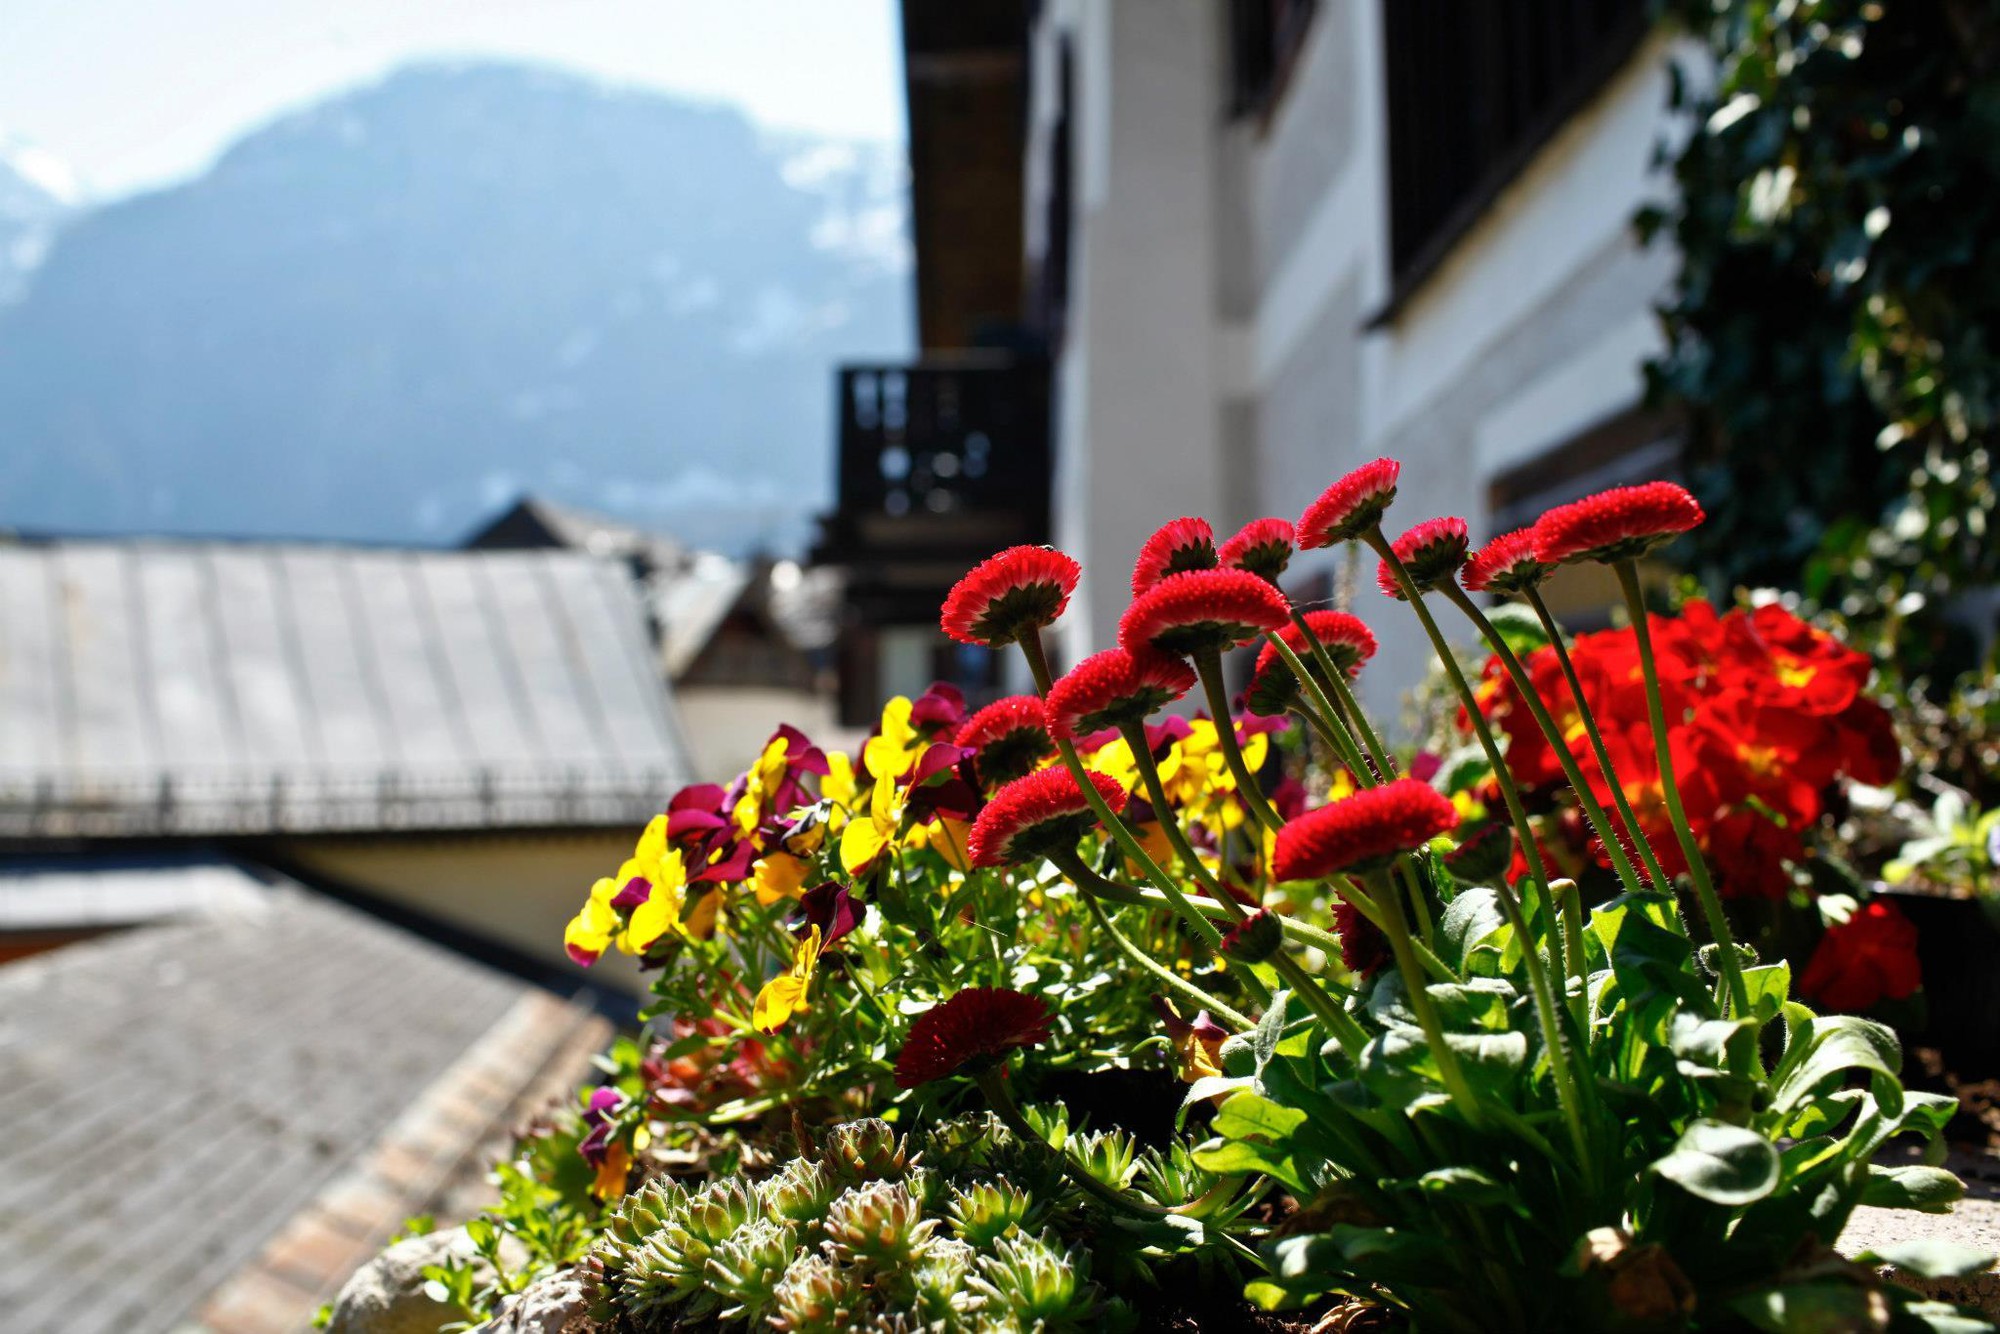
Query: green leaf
1269	1029
1810	1308
1469	922
1721	1163
1239	1156
1835	1045
1931	1190
1930	1257
1770	986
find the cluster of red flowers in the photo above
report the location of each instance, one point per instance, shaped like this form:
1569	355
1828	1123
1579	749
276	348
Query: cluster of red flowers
1773	716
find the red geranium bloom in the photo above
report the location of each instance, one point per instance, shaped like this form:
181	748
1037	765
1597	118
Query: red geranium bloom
1363	947
1034	816
1261	546
1869	749
1008	596
1432	552
1346	640
1112	688
1179	545
1782	660
1010	736
1201	610
1510	563
978	1025
1618	524
1869	958
1351	506
1362	831
1749	850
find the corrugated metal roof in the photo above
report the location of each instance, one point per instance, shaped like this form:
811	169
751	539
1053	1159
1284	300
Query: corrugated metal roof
173	1094
153	687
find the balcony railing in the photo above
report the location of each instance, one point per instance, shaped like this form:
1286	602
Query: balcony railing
941	461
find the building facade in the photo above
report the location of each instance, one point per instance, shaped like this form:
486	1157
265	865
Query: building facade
1263	241
1301	235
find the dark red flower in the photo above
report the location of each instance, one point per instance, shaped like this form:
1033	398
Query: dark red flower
1869	958
1034	816
1432	552
1748	850
1202	610
1010	737
1619	524
1261	546
1007	596
1180	544
977	1026
1351	506
1346	640
1114	687
1509	563
1363	947
1362	831
833	909
939	710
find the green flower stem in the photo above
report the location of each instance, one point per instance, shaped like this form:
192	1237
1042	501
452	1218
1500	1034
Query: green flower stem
1319	729
1120	832
1325	718
1385	769
1571	900
1661	880
993	1083
1704	888
1310	990
1413	884
1208	665
1593	810
1090	882
1156	792
1517	813
1168	978
1511	794
1422	1002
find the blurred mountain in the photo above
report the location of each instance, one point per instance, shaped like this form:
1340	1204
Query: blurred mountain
386	316
32	202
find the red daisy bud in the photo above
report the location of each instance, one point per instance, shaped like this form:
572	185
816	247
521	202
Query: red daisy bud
1362	832
1351	506
1201	610
1112	688
1180	545
1262	546
1363	947
1482	856
1011	737
1346	640
1255	938
1510	563
1432	552
1619	524
1034	816
1009	596
976	1027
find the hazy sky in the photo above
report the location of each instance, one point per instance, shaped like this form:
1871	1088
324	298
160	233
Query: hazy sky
134	93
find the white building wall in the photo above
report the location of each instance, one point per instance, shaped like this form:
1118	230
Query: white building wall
1220	359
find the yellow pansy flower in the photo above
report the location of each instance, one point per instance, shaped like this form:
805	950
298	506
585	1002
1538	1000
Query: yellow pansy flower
589	933
865	836
777	875
892	752
786	994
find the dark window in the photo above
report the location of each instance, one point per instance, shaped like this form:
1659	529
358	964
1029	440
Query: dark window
1264	37
1050	285
1474	88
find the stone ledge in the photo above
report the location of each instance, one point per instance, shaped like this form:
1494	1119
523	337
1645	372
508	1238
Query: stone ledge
1974	1221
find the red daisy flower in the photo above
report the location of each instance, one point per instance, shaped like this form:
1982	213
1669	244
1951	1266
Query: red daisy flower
1011	736
1510	563
1361	832
1363	947
1034	816
1346	640
1109	689
1261	546
1201	610
1181	544
1432	552
1619	524
1007	596
977	1026
1351	506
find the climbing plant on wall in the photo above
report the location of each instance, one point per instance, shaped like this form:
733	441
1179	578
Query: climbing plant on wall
1834	328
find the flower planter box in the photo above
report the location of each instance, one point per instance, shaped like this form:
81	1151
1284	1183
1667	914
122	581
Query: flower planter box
1958	944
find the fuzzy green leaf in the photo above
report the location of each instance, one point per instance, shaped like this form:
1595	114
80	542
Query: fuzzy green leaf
1721	1163
1930	1257
1931	1190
